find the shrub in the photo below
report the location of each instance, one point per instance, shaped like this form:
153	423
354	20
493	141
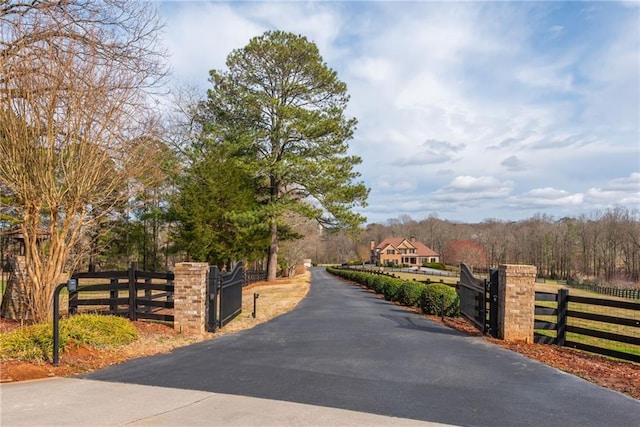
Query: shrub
405	292
410	293
431	300
36	342
435	265
380	284
392	290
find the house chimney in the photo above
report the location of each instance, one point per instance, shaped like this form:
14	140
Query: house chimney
372	245
412	239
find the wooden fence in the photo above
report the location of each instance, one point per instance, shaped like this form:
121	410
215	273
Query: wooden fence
131	293
627	293
603	326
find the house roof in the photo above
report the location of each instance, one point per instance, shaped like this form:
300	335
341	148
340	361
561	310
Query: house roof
396	242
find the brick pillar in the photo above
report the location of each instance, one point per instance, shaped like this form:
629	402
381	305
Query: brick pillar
14	303
190	297
516	299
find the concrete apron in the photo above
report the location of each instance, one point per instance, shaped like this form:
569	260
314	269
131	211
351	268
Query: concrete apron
69	401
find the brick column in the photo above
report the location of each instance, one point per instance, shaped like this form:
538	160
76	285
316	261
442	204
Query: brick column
190	297
516	300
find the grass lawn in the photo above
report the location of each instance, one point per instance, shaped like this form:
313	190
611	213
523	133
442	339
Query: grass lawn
422	277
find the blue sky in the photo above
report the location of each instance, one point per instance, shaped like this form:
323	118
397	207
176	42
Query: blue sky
466	110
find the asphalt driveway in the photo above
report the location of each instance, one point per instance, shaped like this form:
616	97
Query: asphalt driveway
345	348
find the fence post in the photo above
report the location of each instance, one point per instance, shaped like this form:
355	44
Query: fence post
132	291
563	304
113	296
56	320
486	329
255	300
213	287
148	295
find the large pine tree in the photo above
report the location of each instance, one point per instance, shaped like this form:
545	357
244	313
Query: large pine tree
278	110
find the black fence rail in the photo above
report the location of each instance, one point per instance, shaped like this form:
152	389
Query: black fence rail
253	276
602	326
131	293
627	293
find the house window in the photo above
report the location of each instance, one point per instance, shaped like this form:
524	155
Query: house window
391	252
433	260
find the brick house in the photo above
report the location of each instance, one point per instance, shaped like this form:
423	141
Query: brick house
400	251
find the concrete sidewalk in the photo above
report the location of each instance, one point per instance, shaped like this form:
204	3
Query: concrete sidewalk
78	402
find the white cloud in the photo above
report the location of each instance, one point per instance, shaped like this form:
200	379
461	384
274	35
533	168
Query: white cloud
432	152
539	99
548	77
469	188
375	71
319	22
199	37
556	31
513	164
546	198
619	191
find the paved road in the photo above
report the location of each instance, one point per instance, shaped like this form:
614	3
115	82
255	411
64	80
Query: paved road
344	348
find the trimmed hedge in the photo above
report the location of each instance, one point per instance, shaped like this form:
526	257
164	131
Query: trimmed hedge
435	265
413	294
410	293
436	297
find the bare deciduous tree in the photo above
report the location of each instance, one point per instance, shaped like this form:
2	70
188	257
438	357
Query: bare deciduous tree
74	80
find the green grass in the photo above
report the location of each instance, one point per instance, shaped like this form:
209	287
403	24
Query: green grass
553	287
423	277
419	276
35	343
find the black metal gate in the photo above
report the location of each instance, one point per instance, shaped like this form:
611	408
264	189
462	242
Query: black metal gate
491	292
225	296
479	300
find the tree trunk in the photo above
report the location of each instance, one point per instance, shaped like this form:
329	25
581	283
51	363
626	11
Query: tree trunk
272	264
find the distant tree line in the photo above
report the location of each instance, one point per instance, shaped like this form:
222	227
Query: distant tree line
604	245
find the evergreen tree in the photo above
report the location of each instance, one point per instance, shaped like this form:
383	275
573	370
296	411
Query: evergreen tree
278	111
215	210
